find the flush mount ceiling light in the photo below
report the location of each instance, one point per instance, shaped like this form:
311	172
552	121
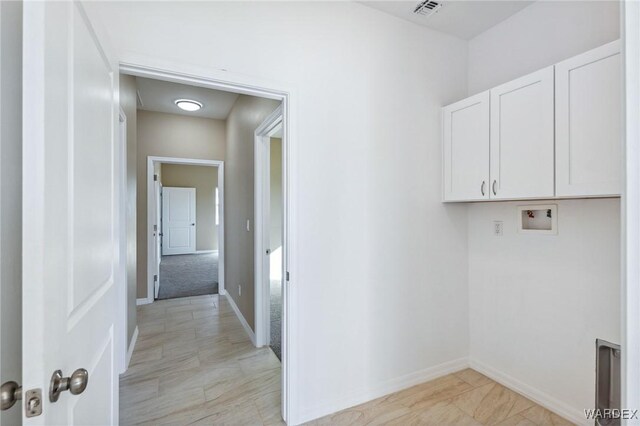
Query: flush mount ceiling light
188	104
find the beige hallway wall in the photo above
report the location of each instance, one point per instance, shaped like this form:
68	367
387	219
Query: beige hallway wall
275	194
246	115
205	180
170	135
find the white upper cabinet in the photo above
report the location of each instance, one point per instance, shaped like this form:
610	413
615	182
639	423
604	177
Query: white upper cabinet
589	123
555	133
466	149
522	137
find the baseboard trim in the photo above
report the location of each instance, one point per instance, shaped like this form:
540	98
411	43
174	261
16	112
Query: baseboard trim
361	396
547	401
243	321
132	345
206	251
143	301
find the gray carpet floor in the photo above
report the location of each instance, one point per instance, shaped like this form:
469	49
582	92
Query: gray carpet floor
276	318
185	275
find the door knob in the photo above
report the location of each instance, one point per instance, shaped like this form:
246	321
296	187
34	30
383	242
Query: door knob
10	392
76	384
268	251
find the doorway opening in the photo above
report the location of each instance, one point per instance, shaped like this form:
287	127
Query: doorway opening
218	329
269	236
186	227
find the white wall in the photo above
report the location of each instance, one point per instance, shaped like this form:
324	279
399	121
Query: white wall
538	36
382	293
11	201
537	303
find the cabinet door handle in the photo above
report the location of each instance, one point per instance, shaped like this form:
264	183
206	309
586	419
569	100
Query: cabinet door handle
494	187
482	188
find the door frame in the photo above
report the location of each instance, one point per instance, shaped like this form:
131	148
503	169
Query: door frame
123	288
630	294
221	79
151	215
157	245
262	203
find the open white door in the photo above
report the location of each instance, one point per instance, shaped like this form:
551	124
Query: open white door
70	199
178	220
157	235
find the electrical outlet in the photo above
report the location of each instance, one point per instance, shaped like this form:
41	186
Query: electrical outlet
239	289
497	228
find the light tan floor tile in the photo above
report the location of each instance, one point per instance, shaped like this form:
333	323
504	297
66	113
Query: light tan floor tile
446	413
542	416
427	394
194	364
491	403
516	420
472	377
153	353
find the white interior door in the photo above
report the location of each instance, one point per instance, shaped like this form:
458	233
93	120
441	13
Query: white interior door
178	220
71	262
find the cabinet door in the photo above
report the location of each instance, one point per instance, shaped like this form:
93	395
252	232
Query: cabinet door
466	149
589	123
522	151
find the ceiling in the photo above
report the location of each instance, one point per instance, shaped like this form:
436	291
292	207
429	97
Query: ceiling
463	19
159	96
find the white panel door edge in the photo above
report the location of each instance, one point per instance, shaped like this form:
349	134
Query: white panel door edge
178	220
71	164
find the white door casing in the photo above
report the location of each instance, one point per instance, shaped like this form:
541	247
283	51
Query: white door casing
262	138
522	137
153	217
178	220
178	71
71	264
157	235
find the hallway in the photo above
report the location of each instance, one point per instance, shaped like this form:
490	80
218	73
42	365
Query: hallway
194	364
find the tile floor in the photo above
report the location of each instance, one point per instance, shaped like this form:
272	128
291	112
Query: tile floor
194	364
463	398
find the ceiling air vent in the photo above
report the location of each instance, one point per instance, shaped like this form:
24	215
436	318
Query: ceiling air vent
427	8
